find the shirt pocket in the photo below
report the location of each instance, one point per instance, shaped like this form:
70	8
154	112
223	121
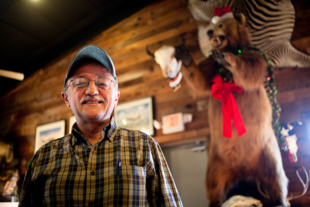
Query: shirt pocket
130	185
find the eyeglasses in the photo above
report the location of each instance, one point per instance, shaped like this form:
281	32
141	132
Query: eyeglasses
81	82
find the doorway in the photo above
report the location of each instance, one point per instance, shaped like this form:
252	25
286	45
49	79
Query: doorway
187	163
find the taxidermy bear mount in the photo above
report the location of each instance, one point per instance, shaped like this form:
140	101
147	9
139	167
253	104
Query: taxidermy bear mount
246	148
242	147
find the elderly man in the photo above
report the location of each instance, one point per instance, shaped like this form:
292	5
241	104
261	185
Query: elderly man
98	164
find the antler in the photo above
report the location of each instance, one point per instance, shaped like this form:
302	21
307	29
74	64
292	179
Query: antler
148	52
264	194
179	46
305	185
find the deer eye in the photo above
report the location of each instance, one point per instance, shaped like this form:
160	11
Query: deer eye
220	25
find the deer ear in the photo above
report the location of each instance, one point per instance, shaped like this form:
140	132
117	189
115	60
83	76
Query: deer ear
240	18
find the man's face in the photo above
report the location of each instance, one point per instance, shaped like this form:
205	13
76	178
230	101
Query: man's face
91	103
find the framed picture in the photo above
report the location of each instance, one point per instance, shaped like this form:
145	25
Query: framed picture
72	120
48	132
136	114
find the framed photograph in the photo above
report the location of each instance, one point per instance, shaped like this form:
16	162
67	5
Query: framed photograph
72	120
136	114
48	132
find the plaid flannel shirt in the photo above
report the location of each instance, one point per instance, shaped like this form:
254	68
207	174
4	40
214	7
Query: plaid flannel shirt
125	168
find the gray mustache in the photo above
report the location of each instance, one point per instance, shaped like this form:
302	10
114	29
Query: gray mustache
96	98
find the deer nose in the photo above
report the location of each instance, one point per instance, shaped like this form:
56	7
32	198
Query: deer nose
210	33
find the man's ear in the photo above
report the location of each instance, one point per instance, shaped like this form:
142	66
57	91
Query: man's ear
116	98
65	98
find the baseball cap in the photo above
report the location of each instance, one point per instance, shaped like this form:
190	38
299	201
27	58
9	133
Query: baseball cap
91	53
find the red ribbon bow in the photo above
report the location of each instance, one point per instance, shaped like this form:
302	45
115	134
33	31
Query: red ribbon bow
223	91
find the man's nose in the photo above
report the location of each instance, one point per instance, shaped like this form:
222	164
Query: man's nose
92	88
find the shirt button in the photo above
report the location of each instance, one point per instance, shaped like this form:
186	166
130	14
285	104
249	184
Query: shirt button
92	173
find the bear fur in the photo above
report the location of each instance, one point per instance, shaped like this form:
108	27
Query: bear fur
255	156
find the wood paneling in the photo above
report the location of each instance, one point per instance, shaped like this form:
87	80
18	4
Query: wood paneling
38	101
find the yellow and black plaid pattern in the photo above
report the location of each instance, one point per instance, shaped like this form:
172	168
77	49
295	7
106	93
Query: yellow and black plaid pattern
126	168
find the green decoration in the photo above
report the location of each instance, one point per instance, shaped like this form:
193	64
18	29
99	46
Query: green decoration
271	89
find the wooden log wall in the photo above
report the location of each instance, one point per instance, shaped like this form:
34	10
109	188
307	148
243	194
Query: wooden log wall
37	100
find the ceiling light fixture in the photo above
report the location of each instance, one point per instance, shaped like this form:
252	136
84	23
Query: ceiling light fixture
11	74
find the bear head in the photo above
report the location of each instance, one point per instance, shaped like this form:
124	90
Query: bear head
229	34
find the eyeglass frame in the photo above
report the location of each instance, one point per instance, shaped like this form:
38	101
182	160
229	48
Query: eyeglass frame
88	81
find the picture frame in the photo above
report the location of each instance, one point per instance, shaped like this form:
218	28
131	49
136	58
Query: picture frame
72	120
48	132
137	114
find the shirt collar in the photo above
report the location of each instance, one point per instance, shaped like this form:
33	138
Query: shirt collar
112	128
108	131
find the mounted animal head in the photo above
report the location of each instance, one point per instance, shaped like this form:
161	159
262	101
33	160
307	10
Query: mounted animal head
170	60
229	34
291	139
164	55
